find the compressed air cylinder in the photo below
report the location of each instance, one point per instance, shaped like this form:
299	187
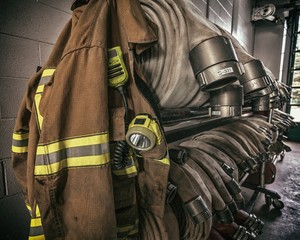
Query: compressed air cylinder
227	102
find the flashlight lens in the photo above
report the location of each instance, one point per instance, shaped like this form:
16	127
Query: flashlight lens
140	141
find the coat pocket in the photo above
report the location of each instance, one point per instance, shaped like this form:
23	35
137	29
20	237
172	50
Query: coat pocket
153	180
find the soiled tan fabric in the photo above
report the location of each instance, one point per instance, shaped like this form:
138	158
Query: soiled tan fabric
78	202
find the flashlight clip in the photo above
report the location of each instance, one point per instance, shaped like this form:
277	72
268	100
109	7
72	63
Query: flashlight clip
143	133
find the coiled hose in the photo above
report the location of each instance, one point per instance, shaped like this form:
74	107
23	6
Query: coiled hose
120	155
181	26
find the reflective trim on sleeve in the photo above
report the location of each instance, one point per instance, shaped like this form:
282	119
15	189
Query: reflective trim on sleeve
37	211
79	141
46	77
20	136
128	231
20	142
36	222
36	231
84	151
133	232
130	170
40	237
164	161
40	89
126	171
37	100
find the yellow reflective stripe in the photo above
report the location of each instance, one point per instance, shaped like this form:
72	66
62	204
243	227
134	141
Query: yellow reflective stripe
38	95
156	129
84	161
37	100
20	142
36	228
36	222
40	237
128	228
48	72
164	161
40	89
37	211
29	208
72	152
20	136
76	142
126	232
83	151
19	149
126	171
133	232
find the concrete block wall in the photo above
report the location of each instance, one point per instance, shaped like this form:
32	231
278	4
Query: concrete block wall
220	13
28	30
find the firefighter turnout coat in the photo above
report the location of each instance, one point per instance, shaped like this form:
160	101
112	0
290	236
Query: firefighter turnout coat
69	121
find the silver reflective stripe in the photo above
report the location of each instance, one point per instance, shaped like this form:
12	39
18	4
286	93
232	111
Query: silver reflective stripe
36	231
73	152
20	143
45	80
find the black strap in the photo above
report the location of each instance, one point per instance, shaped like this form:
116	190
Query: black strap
147	93
78	3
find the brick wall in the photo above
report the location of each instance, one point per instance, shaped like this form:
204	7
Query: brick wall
232	15
28	30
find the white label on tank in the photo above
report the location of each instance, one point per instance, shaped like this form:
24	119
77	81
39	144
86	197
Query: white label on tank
225	71
216	113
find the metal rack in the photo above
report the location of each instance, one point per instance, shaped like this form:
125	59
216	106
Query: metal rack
186	123
184	126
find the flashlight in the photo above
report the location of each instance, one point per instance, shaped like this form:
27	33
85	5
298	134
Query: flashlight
143	133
